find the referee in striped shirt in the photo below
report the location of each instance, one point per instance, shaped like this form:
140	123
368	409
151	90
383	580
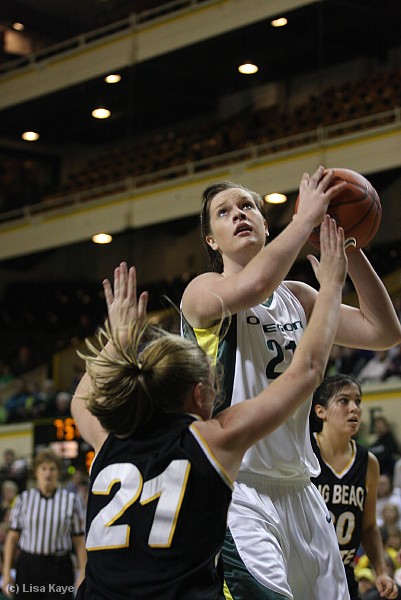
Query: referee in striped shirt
46	522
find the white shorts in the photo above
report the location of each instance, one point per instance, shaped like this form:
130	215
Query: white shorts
285	538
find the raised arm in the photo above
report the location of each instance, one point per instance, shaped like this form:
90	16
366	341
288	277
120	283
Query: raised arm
123	308
234	430
374	324
241	288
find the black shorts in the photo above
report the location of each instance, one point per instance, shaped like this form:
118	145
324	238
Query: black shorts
44	577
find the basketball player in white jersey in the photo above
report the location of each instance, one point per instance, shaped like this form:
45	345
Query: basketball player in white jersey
280	542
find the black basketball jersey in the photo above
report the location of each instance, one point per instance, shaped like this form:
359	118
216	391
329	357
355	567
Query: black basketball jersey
344	494
156	516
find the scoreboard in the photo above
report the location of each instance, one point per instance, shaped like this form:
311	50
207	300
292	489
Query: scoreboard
62	435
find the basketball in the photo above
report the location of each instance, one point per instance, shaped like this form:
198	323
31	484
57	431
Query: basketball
357	209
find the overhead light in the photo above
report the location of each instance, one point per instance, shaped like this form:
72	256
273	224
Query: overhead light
18	26
113	78
275	198
248	69
101	113
30	136
102	238
279	22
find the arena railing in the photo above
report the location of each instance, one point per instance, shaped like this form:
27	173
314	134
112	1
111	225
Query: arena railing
319	138
132	23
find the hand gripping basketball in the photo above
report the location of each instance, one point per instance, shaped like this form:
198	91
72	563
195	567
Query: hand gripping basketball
357	209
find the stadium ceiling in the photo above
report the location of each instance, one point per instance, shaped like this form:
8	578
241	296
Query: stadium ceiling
188	83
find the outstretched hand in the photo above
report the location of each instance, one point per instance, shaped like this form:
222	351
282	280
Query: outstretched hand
333	259
123	306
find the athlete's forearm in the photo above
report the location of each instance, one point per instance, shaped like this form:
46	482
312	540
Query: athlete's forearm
10	546
373	545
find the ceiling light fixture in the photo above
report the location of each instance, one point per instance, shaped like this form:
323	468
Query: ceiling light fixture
275	198
101	113
113	78
279	22
18	26
30	136
102	238
248	69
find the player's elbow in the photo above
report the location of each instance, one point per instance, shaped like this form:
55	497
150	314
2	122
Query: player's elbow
316	369
389	336
310	373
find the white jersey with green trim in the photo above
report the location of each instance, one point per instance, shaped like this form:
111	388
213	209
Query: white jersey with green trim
267	336
256	348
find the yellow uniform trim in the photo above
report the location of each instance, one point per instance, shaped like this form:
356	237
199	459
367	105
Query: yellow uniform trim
226	591
208	340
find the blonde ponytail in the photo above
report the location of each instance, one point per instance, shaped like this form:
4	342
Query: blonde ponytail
152	373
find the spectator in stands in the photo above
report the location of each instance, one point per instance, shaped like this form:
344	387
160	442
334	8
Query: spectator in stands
391	515
385	447
392	539
48	391
394	364
62	404
370	592
9	492
366	581
386	494
79	484
390	558
59	406
14	468
46	397
347	361
19	404
375	367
